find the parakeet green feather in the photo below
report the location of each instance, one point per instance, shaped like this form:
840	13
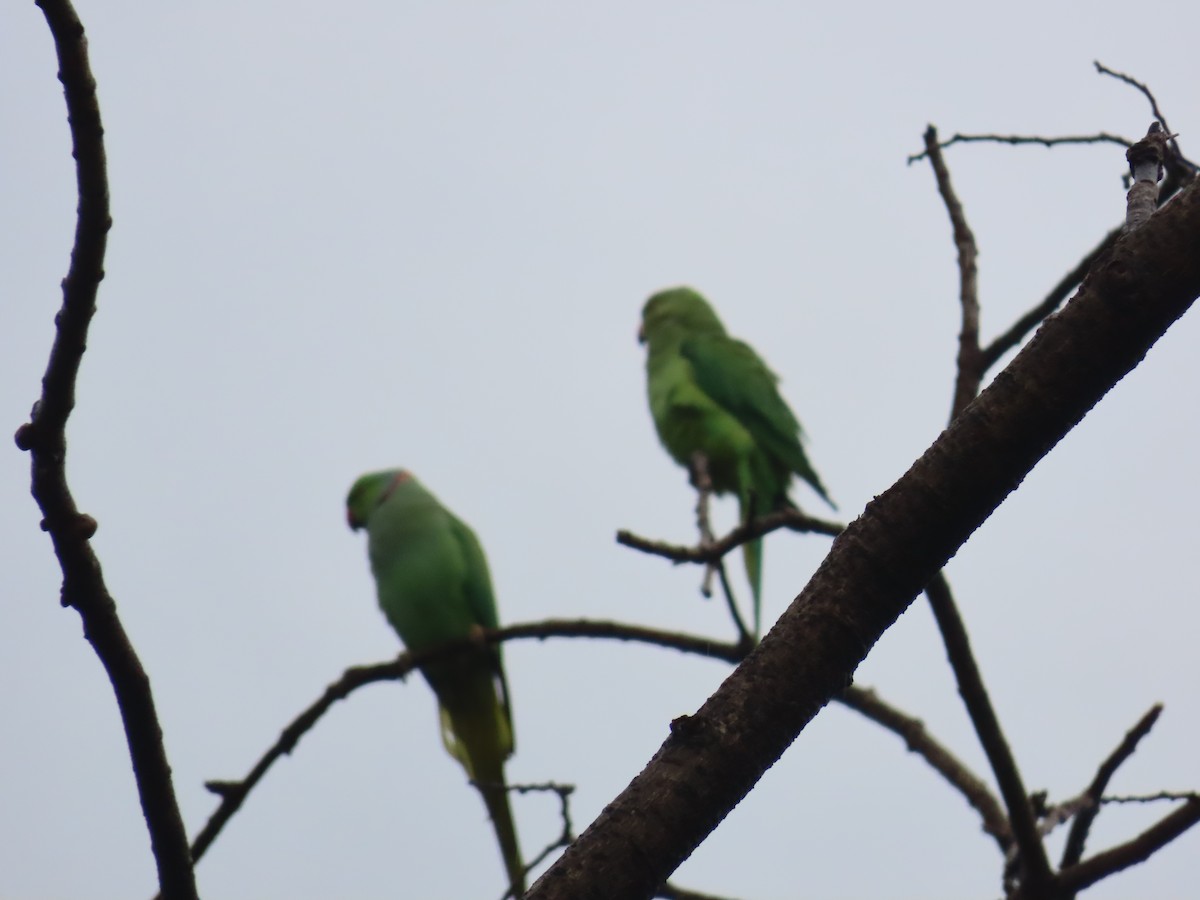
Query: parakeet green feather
433	585
712	395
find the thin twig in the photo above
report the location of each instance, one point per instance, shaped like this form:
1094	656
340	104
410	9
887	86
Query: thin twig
1152	798
1077	836
789	518
970	360
745	639
1052	301
912	731
1050	817
233	793
1034	866
1132	852
1133	82
83	586
563	791
585	628
1175	161
1016	139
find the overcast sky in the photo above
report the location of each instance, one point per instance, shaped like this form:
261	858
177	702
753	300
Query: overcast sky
367	234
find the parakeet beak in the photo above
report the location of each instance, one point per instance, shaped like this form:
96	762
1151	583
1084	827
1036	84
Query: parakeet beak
351	521
642	333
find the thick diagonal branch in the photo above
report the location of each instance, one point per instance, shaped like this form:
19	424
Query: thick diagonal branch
882	560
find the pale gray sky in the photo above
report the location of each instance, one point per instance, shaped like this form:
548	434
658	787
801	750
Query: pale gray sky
372	234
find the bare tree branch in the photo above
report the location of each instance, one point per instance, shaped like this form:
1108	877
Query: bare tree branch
882	560
1077	836
1033	865
584	628
563	791
1133	82
44	436
1028	853
234	793
1131	852
950	767
1152	798
861	700
1017	139
789	518
1179	171
1015	334
970	361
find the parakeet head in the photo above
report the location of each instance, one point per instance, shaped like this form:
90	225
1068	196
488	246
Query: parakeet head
369	491
677	311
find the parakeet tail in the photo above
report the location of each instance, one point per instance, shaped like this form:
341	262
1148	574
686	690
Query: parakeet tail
820	489
495	797
751	503
752	554
479	735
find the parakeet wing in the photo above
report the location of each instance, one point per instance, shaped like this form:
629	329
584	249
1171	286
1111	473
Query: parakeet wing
734	376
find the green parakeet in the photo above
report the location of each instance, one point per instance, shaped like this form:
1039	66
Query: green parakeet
712	395
433	586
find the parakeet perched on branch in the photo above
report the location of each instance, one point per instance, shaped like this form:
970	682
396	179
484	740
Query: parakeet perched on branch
434	587
711	395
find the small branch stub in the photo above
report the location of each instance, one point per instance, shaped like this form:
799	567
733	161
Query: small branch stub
1146	166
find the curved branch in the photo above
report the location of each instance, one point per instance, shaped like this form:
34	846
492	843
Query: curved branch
586	628
1133	82
861	700
950	767
234	793
44	436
